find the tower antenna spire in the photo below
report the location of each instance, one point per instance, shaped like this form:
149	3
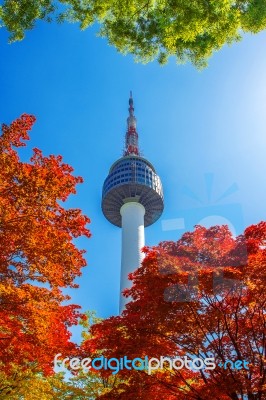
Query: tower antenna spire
131	106
132	138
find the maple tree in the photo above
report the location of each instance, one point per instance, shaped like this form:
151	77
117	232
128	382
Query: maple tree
31	385
91	384
187	30
38	257
202	296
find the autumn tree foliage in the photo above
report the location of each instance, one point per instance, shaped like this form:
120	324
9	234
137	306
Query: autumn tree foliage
88	384
31	385
187	30
202	296
38	257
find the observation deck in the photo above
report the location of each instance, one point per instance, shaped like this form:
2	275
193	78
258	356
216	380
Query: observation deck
132	179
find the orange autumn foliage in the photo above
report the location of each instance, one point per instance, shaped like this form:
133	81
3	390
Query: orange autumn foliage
202	296
37	255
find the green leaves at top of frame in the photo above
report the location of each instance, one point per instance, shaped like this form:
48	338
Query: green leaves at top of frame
148	29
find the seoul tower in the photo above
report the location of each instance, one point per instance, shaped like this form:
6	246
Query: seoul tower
132	198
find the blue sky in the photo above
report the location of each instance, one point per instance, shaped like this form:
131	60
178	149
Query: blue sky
205	133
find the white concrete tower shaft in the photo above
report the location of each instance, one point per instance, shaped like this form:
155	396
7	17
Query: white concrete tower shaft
132	242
